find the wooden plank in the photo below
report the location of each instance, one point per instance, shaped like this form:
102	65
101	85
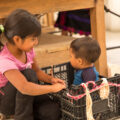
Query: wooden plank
48	29
98	32
43	6
50	19
53	43
45	20
55	58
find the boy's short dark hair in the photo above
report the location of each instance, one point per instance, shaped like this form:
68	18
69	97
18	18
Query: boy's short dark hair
86	48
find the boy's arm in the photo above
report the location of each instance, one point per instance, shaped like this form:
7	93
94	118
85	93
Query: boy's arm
40	74
77	78
88	76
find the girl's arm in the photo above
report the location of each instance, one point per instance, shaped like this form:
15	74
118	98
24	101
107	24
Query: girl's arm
40	74
18	80
45	77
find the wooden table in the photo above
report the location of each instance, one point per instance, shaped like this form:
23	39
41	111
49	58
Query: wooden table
52	50
45	6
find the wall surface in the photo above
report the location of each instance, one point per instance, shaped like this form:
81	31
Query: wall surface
112	21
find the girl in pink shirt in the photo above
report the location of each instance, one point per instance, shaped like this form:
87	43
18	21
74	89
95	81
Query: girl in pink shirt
21	94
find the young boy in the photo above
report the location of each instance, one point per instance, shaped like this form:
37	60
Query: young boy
84	52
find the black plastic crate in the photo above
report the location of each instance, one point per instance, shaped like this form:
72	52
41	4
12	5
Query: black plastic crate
100	107
68	116
116	80
63	71
98	116
76	109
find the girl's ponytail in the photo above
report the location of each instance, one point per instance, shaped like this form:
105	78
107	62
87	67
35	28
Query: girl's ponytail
1	31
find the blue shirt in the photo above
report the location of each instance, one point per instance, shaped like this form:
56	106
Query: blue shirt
85	75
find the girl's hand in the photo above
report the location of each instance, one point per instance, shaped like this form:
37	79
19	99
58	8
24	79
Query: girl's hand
57	80
58	87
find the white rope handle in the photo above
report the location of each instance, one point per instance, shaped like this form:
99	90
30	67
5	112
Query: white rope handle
104	91
89	113
104	94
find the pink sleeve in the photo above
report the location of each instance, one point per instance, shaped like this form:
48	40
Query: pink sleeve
6	64
33	53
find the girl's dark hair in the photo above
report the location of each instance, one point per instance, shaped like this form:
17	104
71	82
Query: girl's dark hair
22	23
86	48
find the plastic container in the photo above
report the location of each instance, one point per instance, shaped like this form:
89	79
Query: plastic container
76	109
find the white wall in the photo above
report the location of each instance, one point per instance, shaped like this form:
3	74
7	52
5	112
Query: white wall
112	21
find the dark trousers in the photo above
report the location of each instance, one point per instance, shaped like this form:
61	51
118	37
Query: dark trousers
26	107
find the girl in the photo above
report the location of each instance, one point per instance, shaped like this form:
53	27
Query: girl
21	94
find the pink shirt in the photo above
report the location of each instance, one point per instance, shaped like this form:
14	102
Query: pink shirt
8	62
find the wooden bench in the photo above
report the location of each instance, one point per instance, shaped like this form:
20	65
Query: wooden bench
46	6
53	49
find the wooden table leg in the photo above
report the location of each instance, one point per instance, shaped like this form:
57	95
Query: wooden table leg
98	32
50	19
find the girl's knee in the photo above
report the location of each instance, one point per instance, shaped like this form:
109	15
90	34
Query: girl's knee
30	75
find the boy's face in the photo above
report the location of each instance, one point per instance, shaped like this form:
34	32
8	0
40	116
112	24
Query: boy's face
75	62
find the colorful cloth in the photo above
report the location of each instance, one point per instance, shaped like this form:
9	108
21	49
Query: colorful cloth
77	21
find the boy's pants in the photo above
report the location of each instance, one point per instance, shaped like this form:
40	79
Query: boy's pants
26	107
